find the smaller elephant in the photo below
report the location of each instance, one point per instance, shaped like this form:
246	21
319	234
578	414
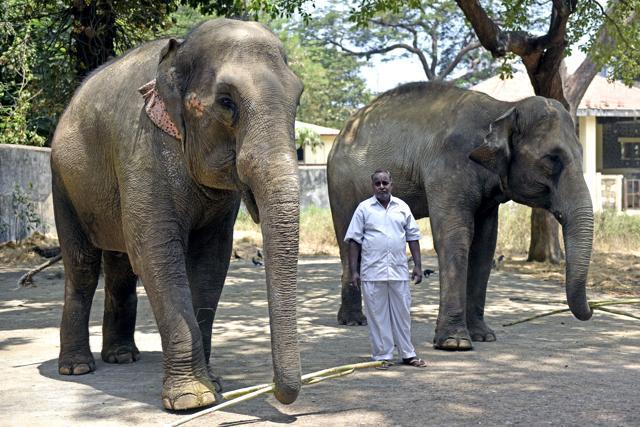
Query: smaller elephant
455	155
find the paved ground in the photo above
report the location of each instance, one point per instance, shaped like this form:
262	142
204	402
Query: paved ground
554	370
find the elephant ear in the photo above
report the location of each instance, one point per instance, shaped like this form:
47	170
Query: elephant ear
495	152
163	95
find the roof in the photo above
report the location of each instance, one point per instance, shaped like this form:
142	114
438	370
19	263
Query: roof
320	130
602	98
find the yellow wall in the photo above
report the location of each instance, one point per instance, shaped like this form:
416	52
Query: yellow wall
319	156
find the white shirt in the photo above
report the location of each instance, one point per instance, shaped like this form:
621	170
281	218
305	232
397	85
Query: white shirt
383	234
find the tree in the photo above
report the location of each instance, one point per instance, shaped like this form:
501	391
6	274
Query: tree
612	40
434	32
504	28
333	88
46	48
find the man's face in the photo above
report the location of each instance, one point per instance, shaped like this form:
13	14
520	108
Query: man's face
382	185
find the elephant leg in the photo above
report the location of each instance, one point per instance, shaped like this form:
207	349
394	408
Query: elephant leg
452	234
350	312
208	260
482	251
160	262
82	269
120	305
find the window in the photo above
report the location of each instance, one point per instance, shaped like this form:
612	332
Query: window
629	148
632	193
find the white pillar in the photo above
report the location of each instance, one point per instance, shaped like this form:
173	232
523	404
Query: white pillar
588	142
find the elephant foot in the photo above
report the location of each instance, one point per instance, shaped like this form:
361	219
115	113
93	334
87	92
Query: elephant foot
184	394
78	363
120	353
480	332
457	341
351	318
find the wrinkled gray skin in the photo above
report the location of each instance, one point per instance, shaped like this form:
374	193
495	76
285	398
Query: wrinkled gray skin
455	155
156	208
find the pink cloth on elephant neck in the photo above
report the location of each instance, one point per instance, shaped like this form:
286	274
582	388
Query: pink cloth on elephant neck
157	111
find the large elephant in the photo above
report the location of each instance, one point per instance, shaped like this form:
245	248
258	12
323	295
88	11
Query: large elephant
150	162
455	155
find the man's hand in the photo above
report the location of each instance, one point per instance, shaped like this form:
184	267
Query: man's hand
416	274
355	280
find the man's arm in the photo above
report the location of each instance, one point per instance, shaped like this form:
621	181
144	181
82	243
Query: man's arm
354	256
414	247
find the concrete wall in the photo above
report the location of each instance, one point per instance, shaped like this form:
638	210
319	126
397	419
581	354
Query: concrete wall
28	168
25	192
313	186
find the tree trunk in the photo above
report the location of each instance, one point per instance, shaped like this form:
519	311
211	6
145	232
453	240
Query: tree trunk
545	241
93	35
544	74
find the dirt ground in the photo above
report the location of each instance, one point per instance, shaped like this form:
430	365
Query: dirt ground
553	370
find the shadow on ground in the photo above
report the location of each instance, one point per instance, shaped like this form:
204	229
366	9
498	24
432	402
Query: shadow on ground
552	370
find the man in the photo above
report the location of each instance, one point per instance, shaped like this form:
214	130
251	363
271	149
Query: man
377	234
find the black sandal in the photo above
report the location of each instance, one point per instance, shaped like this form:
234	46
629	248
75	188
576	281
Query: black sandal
386	364
416	362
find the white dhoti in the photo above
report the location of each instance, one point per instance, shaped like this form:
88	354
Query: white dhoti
388	309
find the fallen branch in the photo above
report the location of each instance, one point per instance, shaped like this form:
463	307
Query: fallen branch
27	278
621	313
594	305
537	316
247	393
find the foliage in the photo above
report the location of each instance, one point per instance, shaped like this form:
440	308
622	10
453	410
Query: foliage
250	9
621	19
28	88
47	47
334	88
434	32
533	16
306	137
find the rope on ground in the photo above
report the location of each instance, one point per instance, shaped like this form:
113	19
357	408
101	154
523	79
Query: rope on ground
236	396
594	305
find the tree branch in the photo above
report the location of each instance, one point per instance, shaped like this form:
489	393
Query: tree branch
385	49
576	85
434	48
461	53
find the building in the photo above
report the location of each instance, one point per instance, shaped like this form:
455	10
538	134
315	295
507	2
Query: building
609	131
317	155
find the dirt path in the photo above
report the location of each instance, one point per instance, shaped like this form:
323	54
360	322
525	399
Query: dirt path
554	370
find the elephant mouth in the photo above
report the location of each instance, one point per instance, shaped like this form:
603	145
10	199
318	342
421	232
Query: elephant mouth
250	203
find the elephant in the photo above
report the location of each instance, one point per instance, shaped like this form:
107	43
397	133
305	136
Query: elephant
455	155
150	161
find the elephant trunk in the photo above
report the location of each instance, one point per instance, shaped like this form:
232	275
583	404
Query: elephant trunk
272	175
577	229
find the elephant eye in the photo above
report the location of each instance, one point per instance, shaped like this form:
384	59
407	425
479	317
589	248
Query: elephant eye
552	164
228	104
